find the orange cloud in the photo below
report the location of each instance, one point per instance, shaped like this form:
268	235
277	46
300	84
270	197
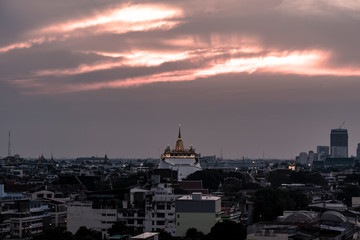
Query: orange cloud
297	62
123	19
120	20
28	43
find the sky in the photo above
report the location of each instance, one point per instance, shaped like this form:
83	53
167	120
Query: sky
252	78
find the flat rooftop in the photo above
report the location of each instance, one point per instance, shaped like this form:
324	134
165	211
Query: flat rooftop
203	197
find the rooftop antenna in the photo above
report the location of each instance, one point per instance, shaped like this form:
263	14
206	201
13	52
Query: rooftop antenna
9	146
342	125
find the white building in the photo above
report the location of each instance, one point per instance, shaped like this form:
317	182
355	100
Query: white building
184	161
197	211
160	209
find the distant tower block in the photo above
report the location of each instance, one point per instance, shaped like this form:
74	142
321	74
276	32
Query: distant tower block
339	143
184	161
322	152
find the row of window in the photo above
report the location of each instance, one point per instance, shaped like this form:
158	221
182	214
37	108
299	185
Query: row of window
108	214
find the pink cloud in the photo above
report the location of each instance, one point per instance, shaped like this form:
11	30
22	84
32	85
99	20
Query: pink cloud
296	62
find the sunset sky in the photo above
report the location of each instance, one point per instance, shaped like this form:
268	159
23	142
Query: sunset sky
249	78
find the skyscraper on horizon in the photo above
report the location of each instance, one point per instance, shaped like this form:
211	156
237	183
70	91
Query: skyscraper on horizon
339	143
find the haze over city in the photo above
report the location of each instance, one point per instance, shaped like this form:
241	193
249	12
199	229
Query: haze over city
246	78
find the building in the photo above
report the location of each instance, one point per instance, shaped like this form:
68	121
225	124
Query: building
160	209
197	211
21	217
27	218
358	151
84	213
339	143
184	161
57	211
340	162
322	152
312	157
303	158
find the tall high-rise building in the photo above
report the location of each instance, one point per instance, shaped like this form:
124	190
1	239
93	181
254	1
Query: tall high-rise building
339	143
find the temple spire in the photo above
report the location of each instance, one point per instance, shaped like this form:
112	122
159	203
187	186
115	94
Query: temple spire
179	143
179	136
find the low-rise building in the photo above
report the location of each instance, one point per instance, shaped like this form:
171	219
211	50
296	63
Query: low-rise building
197	211
82	213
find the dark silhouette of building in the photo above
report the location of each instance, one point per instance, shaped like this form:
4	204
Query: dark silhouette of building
358	151
322	152
339	143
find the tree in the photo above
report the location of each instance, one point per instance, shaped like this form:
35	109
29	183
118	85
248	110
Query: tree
306	178
349	191
55	234
227	230
211	178
84	233
118	228
276	178
163	235
194	234
270	203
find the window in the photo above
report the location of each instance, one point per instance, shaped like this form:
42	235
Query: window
161	207
160	215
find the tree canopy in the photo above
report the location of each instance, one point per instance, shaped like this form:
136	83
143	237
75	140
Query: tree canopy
226	230
212	177
270	203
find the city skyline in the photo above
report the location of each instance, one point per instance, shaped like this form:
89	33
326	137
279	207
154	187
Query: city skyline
245	78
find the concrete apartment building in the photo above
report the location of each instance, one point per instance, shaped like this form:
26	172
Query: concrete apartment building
160	209
21	217
197	211
82	213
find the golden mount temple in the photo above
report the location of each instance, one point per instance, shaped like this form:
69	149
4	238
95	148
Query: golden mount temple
184	161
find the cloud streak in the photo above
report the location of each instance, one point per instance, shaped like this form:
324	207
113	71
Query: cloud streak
183	41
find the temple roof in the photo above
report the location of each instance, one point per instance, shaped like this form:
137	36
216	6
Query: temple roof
179	147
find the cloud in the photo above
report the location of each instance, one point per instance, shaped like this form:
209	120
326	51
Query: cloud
137	43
